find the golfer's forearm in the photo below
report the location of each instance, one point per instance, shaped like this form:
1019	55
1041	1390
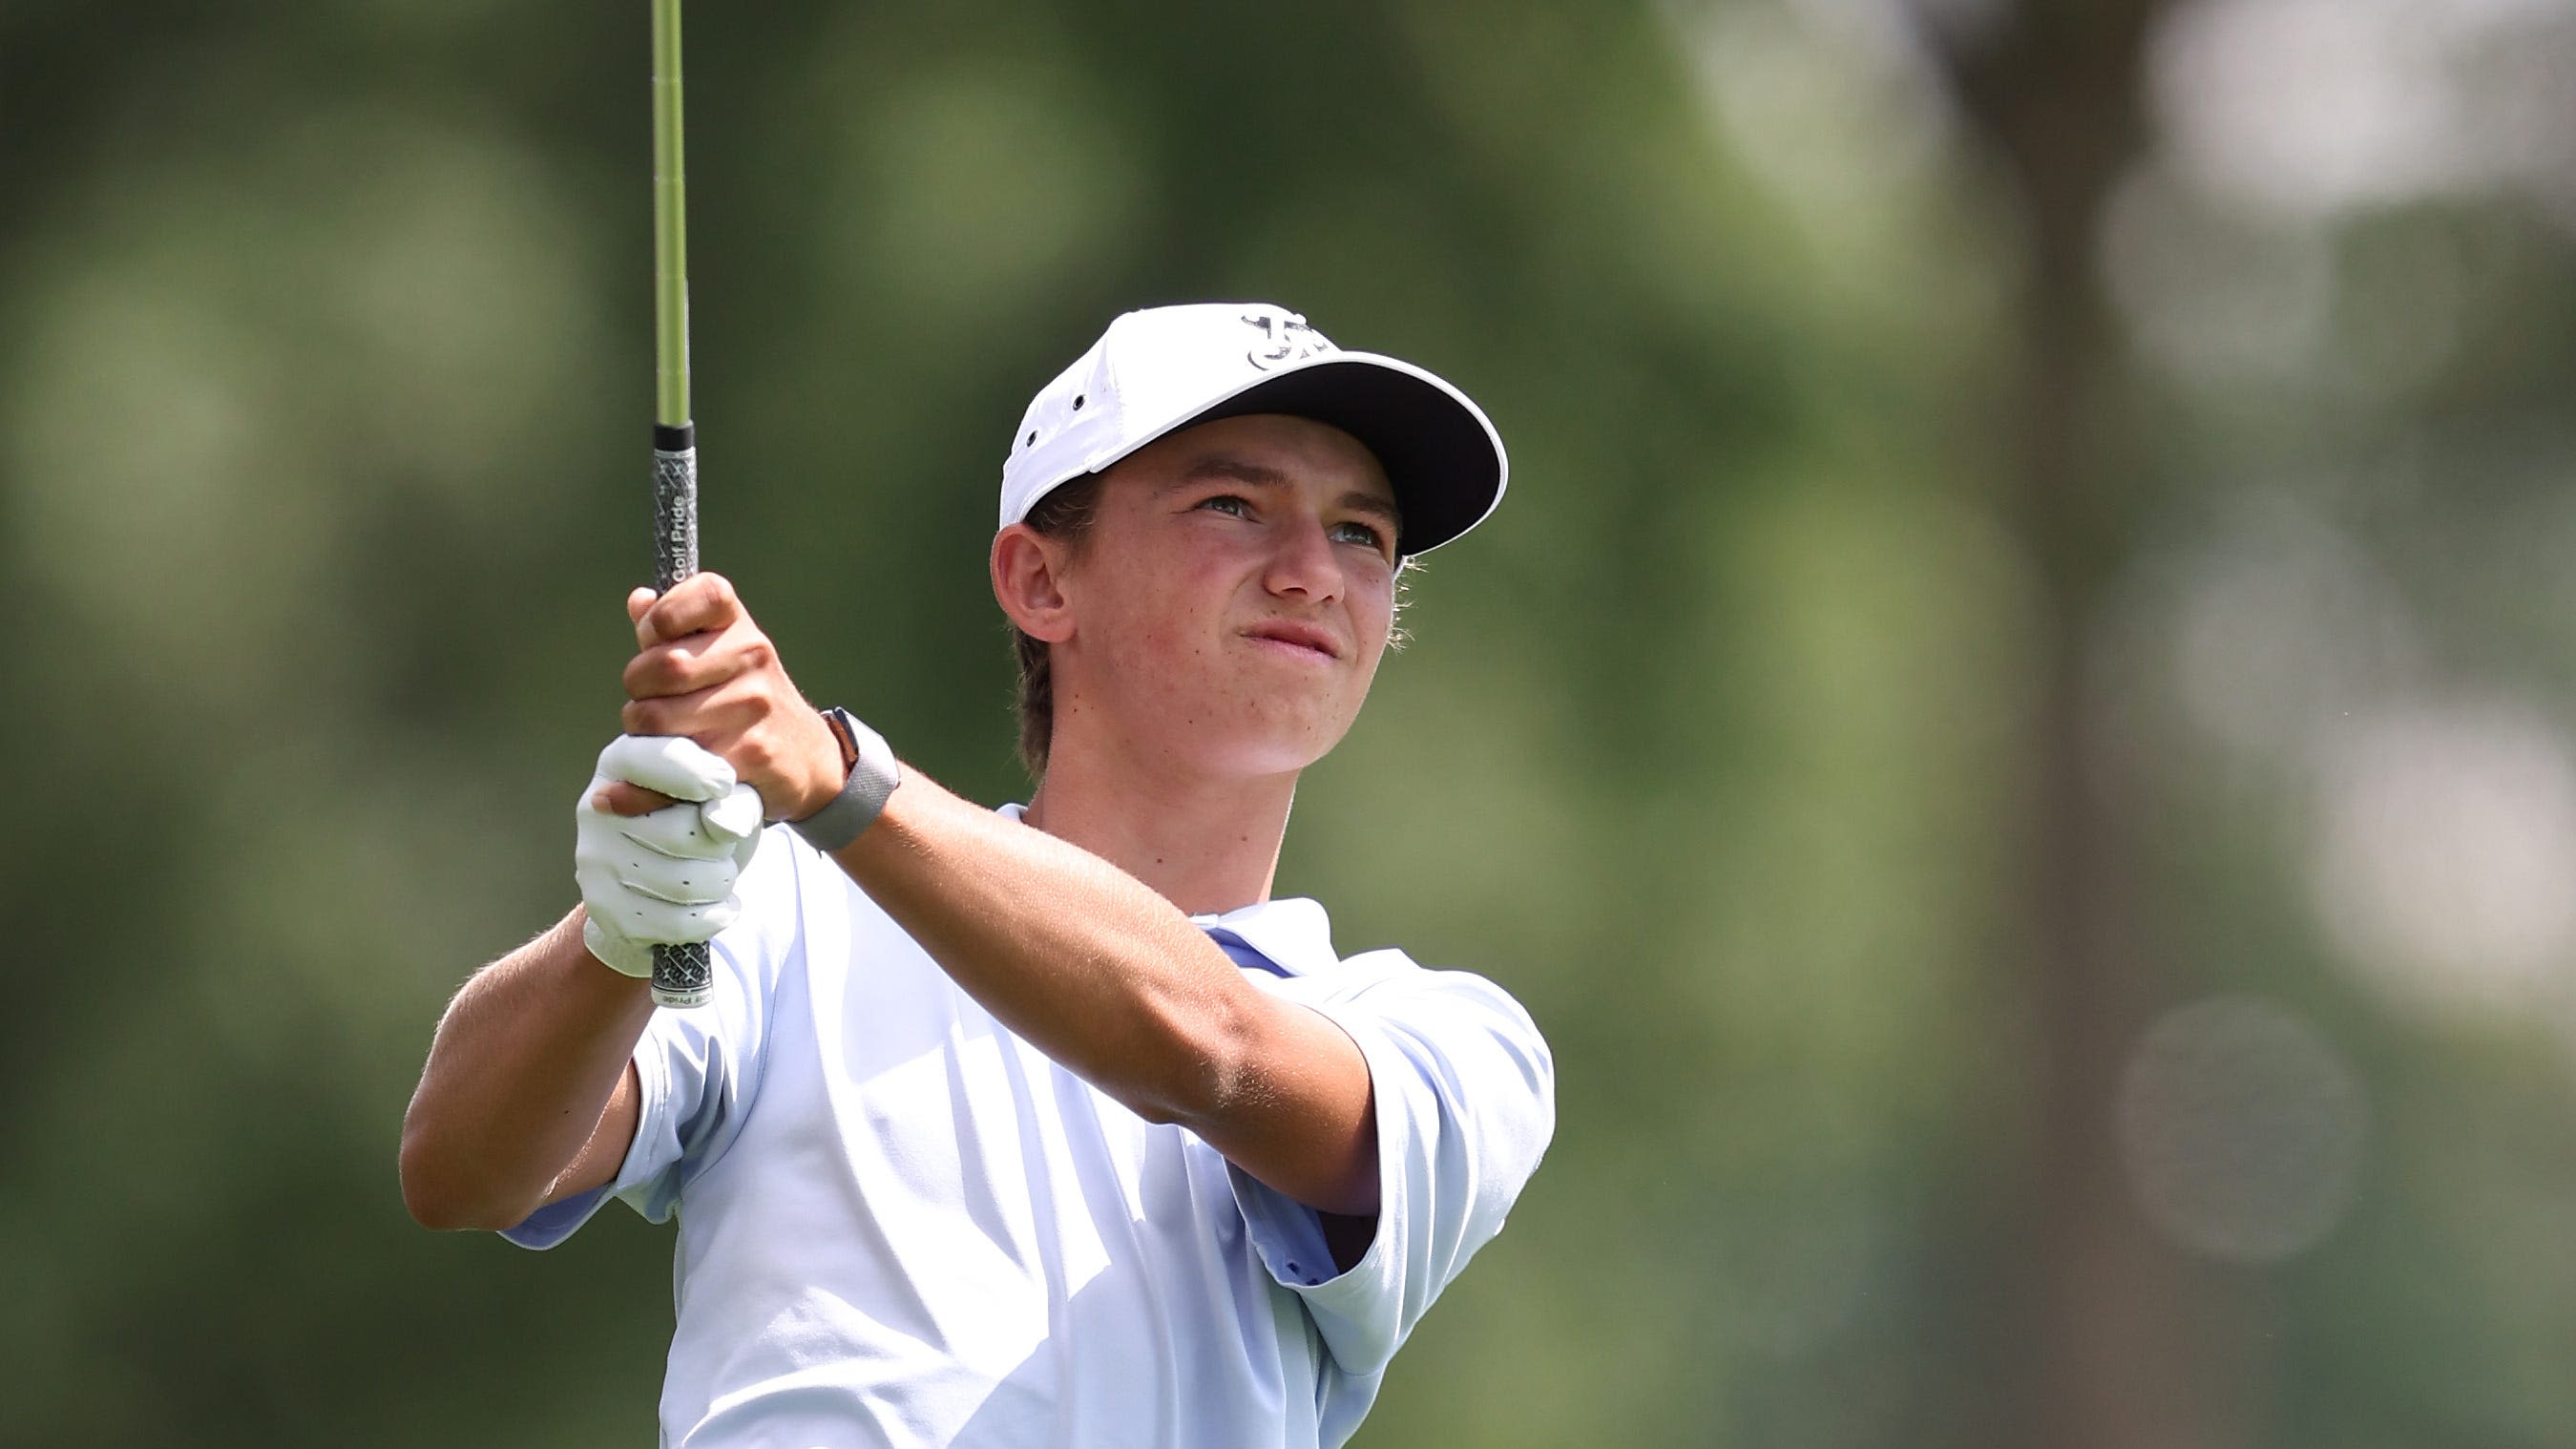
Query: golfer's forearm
1108	978
524	1063
1074	955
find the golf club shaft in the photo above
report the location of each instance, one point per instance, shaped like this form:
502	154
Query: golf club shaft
681	973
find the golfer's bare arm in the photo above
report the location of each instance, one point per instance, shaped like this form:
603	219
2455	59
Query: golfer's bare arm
1077	957
529	1095
530	1091
1110	979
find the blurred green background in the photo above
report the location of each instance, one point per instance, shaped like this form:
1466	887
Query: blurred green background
2014	730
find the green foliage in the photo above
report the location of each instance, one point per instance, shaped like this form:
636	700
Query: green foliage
325	361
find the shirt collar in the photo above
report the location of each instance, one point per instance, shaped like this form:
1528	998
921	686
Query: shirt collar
1294	933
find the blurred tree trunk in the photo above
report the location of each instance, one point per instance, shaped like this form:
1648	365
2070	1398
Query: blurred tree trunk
2108	1340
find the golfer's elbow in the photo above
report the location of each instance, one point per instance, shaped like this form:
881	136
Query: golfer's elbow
1203	1070
442	1192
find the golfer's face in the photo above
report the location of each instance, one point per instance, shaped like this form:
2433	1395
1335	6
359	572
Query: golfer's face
1237	591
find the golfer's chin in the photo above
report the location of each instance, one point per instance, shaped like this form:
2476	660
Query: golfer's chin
1269	743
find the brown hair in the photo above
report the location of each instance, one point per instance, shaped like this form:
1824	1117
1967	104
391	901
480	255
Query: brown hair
1066	514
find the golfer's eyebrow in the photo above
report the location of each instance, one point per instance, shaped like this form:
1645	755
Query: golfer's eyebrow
1375	507
1224	466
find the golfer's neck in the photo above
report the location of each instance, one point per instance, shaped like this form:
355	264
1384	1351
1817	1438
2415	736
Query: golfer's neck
1206	845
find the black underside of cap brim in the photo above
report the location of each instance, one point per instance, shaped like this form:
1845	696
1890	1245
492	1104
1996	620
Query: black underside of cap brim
1437	455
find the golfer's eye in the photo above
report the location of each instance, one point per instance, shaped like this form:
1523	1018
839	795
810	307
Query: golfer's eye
1364	534
1228	503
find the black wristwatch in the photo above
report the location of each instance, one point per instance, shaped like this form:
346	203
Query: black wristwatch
873	775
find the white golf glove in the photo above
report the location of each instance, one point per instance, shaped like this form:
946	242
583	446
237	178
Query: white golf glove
667	875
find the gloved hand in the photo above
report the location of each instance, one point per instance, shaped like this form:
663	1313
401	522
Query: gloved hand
667	875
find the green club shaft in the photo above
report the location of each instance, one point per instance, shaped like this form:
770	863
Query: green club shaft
681	973
670	226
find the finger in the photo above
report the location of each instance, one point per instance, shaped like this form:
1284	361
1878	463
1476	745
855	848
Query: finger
639	917
673	881
699	661
698	603
673	764
735	817
679	831
717	718
697	923
619	798
637	601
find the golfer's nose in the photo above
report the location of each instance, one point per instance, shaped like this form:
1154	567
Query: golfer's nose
1302	563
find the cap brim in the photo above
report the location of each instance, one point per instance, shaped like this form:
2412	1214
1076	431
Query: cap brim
1441	455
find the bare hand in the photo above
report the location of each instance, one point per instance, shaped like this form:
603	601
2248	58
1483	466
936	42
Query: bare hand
705	670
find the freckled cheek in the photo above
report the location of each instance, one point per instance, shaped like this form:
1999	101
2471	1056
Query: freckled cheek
1163	639
1373	613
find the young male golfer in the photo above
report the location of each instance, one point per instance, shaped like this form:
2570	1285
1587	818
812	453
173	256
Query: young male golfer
1042	1126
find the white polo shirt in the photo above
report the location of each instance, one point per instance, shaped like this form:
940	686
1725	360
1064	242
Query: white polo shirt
901	1225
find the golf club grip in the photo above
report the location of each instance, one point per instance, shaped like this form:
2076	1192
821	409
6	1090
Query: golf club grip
682	972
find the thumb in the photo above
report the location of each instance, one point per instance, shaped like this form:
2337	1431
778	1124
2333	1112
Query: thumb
672	764
735	817
637	601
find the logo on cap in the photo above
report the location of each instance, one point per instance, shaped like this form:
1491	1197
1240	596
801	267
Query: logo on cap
1285	337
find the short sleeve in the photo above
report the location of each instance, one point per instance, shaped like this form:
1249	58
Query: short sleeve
697	1068
1466	1102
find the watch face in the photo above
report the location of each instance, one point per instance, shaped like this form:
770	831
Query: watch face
842	735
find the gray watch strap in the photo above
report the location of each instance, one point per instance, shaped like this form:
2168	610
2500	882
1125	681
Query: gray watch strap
873	776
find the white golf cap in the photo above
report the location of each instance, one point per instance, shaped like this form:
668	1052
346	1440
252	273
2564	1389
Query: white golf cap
1166	368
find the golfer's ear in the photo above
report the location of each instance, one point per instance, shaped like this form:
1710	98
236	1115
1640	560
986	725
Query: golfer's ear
1028	582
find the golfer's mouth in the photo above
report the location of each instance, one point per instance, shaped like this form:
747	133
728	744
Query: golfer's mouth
1302	639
